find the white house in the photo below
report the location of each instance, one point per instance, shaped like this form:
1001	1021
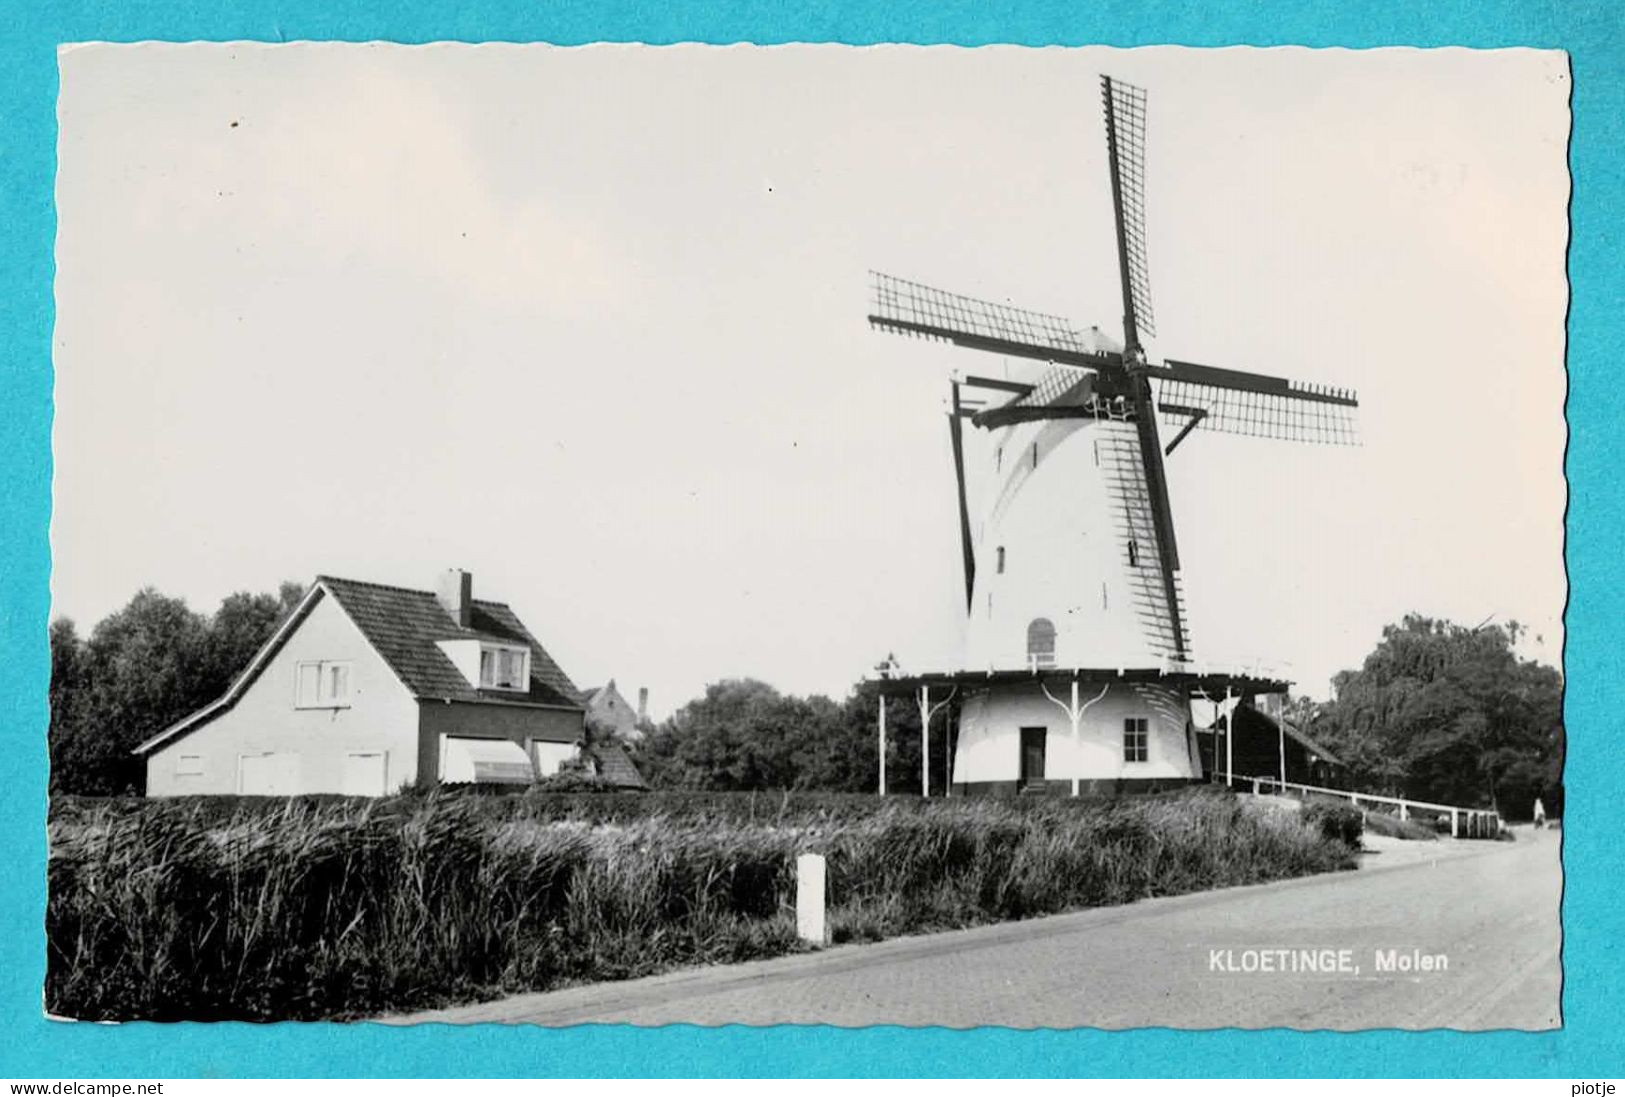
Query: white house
365	688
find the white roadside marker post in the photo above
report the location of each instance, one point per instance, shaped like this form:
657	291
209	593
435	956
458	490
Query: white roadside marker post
882	744
811	925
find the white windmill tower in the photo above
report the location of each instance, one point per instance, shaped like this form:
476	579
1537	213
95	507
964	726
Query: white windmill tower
1077	673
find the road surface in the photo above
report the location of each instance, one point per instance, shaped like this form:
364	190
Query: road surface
1214	960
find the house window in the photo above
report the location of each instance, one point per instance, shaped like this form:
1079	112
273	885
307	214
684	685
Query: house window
189	765
1041	643
1001	560
1136	739
504	668
323	685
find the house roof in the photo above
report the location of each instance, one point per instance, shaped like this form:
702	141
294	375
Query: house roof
404	627
1311	745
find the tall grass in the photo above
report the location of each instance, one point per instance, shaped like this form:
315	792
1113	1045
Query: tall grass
307	908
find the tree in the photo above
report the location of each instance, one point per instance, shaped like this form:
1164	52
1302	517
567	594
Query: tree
240	627
744	734
67	679
142	668
1451	714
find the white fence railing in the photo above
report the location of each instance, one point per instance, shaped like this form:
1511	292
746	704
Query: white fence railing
1464	822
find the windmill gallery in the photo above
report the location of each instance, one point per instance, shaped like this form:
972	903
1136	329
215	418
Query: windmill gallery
1076	673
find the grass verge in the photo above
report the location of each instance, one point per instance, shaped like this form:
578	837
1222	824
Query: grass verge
326	908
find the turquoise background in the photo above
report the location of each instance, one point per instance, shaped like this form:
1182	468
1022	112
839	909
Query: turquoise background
1594	995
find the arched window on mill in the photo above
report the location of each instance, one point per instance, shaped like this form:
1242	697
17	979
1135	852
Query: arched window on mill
1041	643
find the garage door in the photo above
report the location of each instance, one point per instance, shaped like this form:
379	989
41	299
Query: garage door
366	773
268	774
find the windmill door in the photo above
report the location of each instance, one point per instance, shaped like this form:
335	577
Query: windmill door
1032	757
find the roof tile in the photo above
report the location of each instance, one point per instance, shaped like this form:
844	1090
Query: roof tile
404	625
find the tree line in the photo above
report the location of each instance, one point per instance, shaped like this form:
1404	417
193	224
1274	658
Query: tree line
1450	714
1436	712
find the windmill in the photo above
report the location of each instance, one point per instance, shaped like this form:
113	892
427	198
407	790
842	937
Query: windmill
1079	500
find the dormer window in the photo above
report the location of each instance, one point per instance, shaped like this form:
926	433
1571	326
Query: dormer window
490	664
504	668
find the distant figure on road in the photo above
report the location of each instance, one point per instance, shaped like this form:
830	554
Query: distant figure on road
1540	814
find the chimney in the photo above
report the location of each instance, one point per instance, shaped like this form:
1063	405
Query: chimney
456	595
643	703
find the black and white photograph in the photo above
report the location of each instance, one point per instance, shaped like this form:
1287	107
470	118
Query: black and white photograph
927	536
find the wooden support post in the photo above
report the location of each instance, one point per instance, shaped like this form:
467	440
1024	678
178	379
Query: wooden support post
1404	811
1076	714
1229	733
1455	823
1280	732
882	744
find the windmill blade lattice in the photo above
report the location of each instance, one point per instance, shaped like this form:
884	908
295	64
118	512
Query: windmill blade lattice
1126	129
1286	416
910	308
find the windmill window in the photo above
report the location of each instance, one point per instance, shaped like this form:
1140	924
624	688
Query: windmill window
1001	560
1035	455
1133	555
1136	739
998	459
1041	643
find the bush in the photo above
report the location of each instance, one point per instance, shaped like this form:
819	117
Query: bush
573	780
1392	826
1338	822
256	908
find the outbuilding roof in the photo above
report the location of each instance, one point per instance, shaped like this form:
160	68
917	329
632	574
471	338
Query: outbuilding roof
616	766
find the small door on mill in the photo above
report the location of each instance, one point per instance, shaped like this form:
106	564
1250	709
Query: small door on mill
1032	757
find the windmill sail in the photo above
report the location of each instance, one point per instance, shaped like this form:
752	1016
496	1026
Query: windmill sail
909	308
967	547
1256	404
1125	145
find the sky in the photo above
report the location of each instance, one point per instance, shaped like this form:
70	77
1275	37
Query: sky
589	323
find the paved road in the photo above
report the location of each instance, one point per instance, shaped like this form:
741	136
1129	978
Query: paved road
1490	908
